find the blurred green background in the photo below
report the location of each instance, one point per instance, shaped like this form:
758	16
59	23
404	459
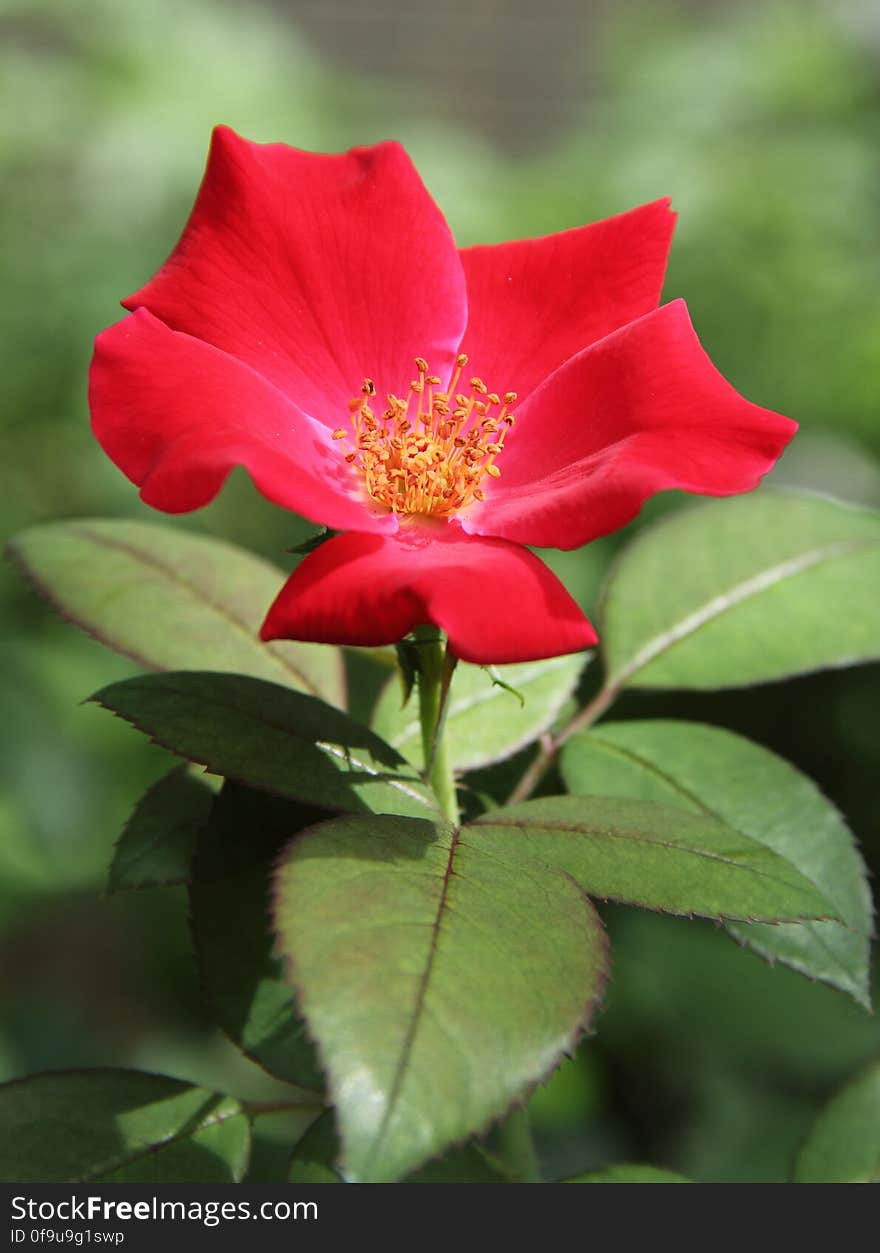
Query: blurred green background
763	123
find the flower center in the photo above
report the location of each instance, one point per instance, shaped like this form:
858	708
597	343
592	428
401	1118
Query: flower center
431	451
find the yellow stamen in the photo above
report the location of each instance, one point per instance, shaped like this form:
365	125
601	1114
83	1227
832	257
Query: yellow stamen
435	457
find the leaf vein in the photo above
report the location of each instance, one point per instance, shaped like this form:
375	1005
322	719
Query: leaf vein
405	1054
728	600
636	838
198	594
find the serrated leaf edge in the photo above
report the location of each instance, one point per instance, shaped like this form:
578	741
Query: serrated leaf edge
490	819
81	526
658	645
581	1028
111	888
329	749
861	992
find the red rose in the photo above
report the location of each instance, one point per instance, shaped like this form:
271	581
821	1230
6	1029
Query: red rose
312	326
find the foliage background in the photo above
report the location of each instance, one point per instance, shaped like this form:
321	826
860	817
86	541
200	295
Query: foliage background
762	121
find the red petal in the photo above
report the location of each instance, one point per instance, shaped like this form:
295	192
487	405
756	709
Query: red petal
176	415
641	411
495	601
534	303
317	270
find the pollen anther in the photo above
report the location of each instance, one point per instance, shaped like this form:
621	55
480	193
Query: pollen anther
432	451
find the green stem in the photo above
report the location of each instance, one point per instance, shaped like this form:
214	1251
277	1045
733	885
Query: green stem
517	1148
436	665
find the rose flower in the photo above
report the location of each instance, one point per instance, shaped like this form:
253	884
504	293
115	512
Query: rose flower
442	407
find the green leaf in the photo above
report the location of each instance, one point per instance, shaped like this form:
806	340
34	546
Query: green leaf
468	1164
844	1144
272	1134
744	591
645	854
120	1126
156	845
270	737
484	721
171	600
231	879
315	1157
711	771
440	980
626	1173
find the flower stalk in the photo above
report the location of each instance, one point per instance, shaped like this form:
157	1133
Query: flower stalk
436	667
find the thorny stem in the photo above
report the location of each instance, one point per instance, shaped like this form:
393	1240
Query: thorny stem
436	667
551	744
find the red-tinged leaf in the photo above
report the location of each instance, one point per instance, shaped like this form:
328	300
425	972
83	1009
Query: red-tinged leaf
440	980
